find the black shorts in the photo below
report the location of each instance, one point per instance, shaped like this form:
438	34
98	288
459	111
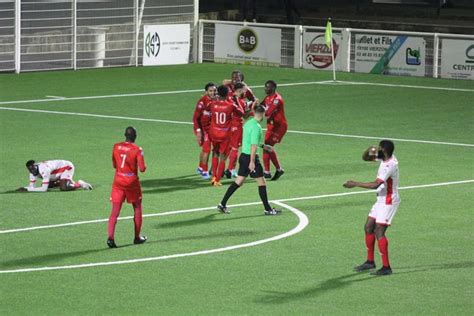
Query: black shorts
244	171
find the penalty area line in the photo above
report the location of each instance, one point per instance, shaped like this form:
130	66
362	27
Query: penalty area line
303	221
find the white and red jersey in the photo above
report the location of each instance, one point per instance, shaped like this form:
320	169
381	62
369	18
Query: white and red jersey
202	114
51	171
248	93
275	111
388	175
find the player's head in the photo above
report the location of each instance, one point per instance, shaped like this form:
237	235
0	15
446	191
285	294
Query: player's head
240	89
386	148
130	134
32	167
259	112
211	90
222	92
270	87
237	76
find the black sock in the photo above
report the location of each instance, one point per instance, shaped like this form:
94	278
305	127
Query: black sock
232	188
262	191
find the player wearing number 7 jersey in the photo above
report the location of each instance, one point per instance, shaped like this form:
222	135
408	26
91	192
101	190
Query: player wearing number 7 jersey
127	159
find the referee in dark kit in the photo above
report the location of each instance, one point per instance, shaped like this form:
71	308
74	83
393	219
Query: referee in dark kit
249	164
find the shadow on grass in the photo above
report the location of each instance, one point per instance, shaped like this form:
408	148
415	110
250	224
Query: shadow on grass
181	183
277	297
203	220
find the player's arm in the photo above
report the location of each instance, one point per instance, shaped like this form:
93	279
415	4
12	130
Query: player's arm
44	185
141	161
32	181
196	122
370	154
226	82
254	142
249	94
114	163
365	185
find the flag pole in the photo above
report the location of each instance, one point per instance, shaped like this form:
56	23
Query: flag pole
329	44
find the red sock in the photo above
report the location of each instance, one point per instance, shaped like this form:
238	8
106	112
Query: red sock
116	207
233	158
215	162
266	161
137	218
76	185
370	243
220	170
274	158
383	247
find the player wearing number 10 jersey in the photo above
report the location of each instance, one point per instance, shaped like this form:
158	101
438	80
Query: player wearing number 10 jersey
127	159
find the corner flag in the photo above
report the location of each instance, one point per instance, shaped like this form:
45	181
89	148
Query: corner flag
328	34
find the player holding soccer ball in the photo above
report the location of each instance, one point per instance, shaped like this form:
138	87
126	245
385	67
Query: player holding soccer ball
127	159
383	211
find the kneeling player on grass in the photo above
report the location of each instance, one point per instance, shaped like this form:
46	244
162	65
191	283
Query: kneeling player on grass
388	200
276	128
202	122
249	163
127	159
53	173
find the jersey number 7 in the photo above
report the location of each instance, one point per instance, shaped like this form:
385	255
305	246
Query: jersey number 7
123	156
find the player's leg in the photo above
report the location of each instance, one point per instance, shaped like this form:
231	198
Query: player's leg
369	228
117	197
215	160
276	138
383	221
266	155
68	185
204	157
235	143
257	174
138	219
243	173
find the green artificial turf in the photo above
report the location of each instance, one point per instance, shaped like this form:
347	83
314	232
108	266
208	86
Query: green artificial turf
431	240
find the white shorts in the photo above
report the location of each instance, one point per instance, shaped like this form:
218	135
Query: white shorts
382	213
67	174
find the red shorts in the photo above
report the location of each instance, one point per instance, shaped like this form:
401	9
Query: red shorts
119	195
221	147
274	136
236	137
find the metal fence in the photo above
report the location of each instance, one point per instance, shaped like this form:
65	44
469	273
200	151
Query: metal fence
74	34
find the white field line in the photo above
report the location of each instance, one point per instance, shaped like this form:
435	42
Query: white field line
258	86
404	86
190	123
92	97
55	97
314	197
302	223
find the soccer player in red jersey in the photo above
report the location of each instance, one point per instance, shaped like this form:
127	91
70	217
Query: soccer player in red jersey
202	122
222	111
238	76
388	200
237	124
127	159
276	128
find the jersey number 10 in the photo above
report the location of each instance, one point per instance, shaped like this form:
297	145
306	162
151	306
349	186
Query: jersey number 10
221	117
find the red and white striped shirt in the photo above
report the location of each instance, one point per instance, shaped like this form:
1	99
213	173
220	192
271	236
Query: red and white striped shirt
50	171
388	175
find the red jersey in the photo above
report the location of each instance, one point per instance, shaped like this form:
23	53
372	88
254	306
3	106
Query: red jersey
275	110
237	117
248	94
202	114
127	158
222	112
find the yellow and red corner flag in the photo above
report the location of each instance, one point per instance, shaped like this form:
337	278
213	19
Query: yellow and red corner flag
328	33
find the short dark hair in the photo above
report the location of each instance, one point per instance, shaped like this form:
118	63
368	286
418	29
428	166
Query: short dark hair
222	91
210	84
259	109
239	85
241	75
388	146
130	133
30	163
273	83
